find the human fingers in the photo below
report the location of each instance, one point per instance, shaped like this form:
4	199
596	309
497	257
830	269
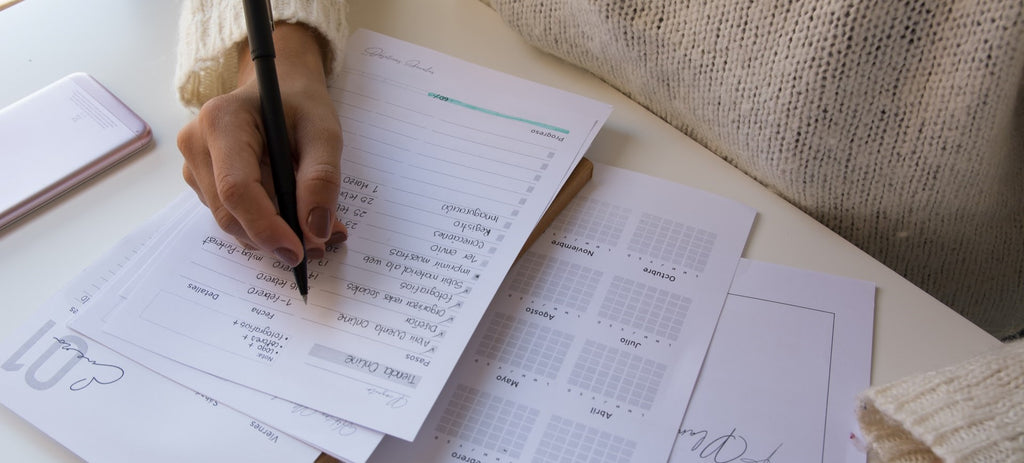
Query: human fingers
232	132
232	227
197	170
318	142
339	234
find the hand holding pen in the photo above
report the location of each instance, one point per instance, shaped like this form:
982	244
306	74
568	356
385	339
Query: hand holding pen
227	164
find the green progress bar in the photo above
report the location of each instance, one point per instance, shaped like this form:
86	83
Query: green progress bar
495	113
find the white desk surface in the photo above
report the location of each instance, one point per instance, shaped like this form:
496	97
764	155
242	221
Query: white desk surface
129	46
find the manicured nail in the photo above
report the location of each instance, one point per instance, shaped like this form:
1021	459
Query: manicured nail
287	256
338	237
314	253
319	222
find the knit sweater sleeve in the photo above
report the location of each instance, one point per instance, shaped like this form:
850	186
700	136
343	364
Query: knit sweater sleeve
210	34
972	412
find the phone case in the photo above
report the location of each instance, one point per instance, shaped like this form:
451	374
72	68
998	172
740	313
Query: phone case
59	137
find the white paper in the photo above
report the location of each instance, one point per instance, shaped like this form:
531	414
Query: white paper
593	343
105	407
791	351
447	168
339	438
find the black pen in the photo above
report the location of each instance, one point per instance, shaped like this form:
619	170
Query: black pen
259	22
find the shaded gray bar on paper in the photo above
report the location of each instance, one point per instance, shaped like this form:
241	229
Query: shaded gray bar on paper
356	363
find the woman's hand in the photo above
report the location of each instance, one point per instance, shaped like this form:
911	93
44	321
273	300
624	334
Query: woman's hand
226	161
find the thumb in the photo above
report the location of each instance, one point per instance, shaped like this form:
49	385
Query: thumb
318	177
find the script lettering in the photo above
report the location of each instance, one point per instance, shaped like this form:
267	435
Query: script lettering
726	448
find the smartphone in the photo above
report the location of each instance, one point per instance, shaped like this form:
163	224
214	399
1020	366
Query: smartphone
59	137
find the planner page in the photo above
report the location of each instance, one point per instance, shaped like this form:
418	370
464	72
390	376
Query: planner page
791	352
595	340
105	407
334	436
447	167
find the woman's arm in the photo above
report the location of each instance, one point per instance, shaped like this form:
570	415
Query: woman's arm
223	147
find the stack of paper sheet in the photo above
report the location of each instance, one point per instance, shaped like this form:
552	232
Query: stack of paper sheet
588	347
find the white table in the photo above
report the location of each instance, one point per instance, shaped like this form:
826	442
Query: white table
129	46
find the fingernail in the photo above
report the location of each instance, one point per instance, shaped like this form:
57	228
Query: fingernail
319	222
315	253
338	237
287	256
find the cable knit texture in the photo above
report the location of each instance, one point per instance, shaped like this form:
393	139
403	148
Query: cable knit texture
211	34
973	412
893	123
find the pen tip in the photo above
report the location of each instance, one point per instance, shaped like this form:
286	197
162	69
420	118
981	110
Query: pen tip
305	299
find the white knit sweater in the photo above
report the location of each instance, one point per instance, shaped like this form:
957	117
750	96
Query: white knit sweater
900	125
893	123
972	412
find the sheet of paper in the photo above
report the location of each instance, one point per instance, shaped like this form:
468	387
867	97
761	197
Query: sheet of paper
594	341
447	167
339	438
791	351
105	407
